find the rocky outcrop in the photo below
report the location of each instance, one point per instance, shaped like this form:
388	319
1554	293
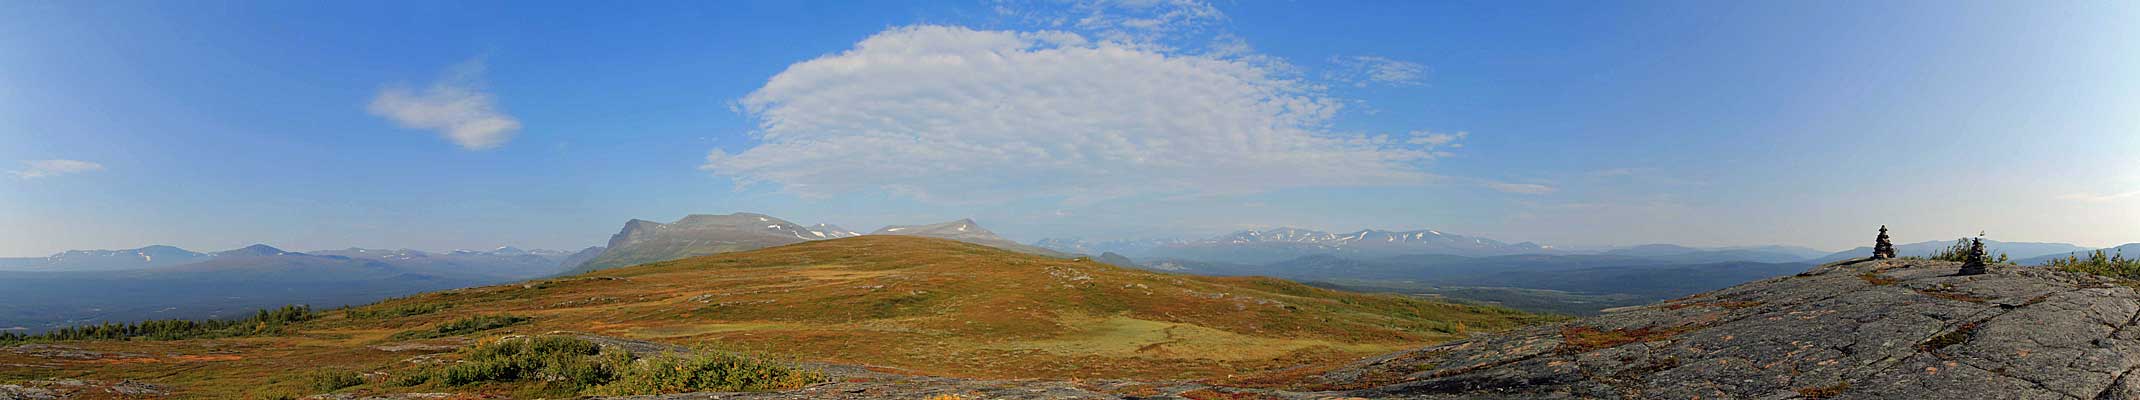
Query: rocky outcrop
1890	329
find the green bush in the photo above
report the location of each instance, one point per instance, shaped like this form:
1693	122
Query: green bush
462	326
1959	252
578	366
331	380
704	372
2099	263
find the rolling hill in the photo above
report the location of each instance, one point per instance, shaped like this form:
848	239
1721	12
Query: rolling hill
902	304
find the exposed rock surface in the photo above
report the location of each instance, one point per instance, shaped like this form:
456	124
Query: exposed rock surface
1891	329
55	389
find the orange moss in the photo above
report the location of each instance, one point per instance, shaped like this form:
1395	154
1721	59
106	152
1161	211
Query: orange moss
1733	305
1823	392
1878	280
1578	338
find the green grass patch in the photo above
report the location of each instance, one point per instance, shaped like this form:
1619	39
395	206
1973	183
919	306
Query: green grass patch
462	326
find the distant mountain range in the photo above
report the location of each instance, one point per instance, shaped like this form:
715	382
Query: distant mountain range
965	230
2019	251
2130	250
104	260
1270	245
155	282
1563	283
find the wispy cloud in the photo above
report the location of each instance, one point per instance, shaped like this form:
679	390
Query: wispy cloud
1520	188
457	106
951	113
1363	71
51	168
1150	24
2092	197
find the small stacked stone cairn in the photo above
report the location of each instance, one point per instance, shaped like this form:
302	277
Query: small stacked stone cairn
1974	264
1882	248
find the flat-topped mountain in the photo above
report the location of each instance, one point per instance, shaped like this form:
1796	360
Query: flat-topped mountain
965	230
1891	329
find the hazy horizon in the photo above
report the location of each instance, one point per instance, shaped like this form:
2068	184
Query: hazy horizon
476	125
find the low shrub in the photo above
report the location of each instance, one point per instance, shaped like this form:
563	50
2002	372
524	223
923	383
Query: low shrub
462	326
328	380
1959	252
2099	263
579	366
707	371
405	310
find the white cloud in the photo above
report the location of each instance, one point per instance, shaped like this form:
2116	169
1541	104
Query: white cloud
1361	71
50	168
456	106
2091	197
951	113
1520	188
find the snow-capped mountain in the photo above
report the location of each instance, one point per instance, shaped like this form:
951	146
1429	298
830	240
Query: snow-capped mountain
105	260
829	231
965	230
643	241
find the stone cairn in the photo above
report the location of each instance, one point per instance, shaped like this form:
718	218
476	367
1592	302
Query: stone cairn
1882	248
1974	264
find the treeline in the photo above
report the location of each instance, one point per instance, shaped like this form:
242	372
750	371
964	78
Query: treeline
263	322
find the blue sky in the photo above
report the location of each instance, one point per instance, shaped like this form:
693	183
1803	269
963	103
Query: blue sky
438	125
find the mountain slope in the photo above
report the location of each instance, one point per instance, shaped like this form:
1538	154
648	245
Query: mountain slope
643	241
1891	329
965	230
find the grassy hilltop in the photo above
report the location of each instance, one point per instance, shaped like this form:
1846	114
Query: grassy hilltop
903	304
